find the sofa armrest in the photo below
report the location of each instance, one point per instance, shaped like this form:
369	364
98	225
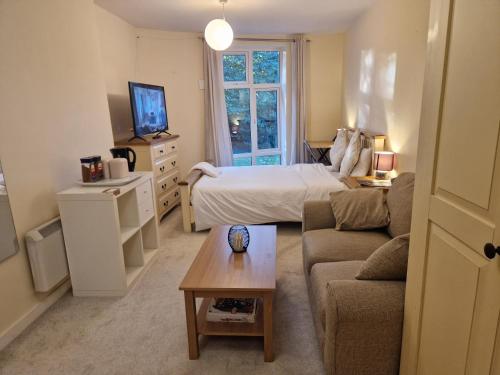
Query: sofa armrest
317	215
364	324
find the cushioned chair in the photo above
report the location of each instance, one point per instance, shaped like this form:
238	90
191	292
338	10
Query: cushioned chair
358	322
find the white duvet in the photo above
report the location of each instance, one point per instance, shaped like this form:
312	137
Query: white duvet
260	194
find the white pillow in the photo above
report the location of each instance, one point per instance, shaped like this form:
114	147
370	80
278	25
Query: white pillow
207	169
364	163
338	149
351	156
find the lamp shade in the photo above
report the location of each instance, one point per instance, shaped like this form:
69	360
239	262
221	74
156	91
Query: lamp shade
384	161
219	34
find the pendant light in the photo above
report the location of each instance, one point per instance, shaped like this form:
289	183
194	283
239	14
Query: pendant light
218	33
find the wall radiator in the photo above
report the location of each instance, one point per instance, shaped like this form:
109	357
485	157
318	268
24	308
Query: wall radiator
47	255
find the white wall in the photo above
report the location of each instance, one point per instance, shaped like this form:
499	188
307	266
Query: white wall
384	69
324	77
54	110
118	41
171	59
175	60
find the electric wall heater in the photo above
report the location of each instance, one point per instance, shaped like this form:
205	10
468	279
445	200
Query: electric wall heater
47	255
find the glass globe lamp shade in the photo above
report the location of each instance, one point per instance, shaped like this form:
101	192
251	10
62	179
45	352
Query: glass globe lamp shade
219	34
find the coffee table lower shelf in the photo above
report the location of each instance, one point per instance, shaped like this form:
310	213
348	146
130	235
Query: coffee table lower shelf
229	328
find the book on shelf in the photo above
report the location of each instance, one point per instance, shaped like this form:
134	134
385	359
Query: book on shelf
375	182
236	310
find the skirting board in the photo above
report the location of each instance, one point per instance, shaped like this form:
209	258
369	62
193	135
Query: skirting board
22	323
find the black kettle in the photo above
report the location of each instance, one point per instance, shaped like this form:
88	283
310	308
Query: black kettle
124	152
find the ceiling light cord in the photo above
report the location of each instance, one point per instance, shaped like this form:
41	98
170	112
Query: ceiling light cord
223	10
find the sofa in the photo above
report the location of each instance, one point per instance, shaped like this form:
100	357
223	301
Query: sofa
358	322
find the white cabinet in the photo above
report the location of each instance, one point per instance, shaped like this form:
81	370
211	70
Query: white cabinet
110	239
159	156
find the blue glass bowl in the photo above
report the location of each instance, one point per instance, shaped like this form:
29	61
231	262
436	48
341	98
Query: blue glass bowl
231	237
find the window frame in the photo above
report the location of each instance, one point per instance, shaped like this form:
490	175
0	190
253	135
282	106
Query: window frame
254	87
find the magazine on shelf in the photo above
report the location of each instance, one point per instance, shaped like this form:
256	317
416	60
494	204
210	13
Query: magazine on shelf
236	310
375	183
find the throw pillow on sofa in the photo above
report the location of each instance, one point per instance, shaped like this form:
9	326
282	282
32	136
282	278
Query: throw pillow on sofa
388	262
399	201
359	209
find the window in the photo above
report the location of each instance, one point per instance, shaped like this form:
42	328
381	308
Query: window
252	87
235	68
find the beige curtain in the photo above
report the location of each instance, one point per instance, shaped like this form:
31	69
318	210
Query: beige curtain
218	147
299	116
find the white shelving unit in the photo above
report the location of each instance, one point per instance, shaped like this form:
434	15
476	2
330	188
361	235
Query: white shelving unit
110	239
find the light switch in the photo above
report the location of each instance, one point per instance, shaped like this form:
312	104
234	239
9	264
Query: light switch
201	84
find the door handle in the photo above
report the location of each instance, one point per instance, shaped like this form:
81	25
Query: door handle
490	250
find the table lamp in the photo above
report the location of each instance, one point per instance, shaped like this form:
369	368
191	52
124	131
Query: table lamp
384	162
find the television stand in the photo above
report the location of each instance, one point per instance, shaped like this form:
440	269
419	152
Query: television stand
158	136
137	137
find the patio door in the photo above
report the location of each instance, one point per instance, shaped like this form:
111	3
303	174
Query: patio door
253	94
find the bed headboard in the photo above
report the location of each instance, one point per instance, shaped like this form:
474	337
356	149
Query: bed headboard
375	141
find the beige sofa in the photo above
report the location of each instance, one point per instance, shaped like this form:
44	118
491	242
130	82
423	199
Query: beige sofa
358	322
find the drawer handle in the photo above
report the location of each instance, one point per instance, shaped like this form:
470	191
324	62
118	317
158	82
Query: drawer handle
161	151
173	163
175	179
162	169
176	194
164	186
165	204
173	147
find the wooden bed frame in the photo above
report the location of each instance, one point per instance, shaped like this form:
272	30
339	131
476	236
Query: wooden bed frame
375	141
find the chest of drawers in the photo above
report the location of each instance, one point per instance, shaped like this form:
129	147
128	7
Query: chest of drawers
159	156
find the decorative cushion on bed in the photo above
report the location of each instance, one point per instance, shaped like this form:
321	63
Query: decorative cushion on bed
351	156
338	149
364	163
388	262
359	209
207	169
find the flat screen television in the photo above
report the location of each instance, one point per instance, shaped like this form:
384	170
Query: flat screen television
149	111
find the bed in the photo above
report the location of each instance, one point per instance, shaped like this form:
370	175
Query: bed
258	194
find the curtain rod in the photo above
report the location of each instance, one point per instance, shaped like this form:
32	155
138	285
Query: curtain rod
263	39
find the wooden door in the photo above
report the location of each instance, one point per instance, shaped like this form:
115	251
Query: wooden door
452	311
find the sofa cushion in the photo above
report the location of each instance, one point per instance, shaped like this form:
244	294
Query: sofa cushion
329	245
321	274
388	262
399	201
359	209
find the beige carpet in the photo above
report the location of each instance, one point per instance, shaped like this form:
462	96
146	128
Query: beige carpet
145	333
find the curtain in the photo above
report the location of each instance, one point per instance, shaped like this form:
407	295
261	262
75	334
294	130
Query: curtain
218	147
298	107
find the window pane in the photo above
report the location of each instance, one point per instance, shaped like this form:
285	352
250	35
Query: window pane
266	67
268	160
238	117
267	119
242	162
235	68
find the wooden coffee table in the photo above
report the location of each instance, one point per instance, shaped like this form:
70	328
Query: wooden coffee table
218	272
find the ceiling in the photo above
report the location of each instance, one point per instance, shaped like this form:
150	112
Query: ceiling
245	16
